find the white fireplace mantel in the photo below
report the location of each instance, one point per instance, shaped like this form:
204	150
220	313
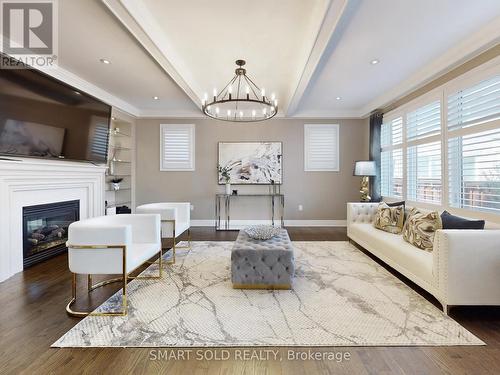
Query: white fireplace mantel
27	182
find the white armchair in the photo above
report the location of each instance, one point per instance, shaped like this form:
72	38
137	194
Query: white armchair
116	244
175	220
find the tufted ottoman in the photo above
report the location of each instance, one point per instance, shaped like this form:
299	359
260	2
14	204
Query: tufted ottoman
257	264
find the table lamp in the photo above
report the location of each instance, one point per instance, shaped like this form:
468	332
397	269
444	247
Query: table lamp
366	169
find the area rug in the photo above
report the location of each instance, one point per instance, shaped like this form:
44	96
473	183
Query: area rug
340	297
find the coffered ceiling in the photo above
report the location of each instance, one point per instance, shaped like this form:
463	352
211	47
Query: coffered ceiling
315	55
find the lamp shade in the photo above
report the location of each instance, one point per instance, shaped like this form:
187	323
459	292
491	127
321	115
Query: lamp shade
364	168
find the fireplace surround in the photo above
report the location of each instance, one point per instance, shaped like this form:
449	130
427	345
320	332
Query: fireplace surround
30	182
45	229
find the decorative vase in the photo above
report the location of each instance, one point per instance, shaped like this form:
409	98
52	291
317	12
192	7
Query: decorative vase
116	186
228	188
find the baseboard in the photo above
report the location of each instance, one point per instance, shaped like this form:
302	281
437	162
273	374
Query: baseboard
238	224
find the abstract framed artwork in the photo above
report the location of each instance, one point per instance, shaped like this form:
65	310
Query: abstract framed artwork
252	163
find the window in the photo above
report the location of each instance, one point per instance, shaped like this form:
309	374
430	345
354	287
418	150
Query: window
475	105
424	121
177	145
423	141
444	148
392	158
321	147
474	146
424	173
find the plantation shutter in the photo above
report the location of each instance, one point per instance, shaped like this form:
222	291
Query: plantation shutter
424	121
475	105
321	147
424	173
392	158
177	147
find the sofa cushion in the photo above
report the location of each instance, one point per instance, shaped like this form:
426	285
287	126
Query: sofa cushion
392	249
420	228
389	219
456	222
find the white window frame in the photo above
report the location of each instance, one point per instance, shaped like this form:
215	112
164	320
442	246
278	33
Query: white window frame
192	133
389	118
309	128
442	92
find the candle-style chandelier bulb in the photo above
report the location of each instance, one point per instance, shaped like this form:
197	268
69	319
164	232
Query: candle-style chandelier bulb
239	105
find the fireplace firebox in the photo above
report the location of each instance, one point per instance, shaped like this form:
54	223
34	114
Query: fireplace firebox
45	230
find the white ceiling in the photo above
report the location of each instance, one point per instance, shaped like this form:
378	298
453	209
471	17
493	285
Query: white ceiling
88	31
404	35
308	52
274	37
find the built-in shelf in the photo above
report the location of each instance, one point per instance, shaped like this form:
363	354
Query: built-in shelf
120	147
118	134
117	175
120	164
117	204
120	161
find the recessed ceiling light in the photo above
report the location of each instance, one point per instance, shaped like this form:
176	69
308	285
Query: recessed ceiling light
338	98
156	97
105	61
374	62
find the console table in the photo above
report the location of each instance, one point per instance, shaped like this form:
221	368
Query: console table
225	200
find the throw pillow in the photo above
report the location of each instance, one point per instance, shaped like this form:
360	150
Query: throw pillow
420	228
389	219
395	204
456	222
402	203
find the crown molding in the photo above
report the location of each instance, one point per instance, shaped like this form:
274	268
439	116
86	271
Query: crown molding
479	42
349	114
153	113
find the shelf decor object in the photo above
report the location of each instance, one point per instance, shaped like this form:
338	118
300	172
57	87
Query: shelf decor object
365	169
241	100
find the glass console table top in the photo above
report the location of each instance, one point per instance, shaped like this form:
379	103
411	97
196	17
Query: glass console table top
249	195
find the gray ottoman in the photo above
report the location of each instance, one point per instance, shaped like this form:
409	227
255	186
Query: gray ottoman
257	264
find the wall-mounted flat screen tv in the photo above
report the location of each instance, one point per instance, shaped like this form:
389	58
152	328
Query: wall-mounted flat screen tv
45	118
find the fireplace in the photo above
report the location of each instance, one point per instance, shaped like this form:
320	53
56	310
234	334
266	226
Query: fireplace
45	230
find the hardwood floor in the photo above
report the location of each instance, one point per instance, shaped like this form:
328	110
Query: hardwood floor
32	317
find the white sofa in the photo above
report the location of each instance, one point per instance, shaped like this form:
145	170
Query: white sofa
462	269
114	244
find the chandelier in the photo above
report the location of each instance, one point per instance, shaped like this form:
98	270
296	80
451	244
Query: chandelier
241	100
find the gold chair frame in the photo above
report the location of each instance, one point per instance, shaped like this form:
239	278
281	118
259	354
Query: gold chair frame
124	278
174	247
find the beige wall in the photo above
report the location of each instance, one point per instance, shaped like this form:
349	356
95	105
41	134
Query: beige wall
322	194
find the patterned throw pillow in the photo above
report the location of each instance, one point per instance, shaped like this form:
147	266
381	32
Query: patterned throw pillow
389	219
420	228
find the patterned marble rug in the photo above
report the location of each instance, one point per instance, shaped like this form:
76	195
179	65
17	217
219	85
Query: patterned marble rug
340	297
